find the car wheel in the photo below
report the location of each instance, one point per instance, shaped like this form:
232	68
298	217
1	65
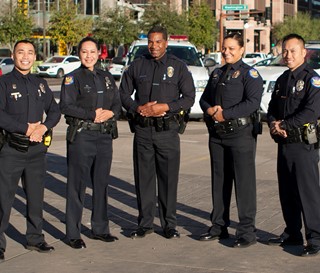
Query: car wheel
60	73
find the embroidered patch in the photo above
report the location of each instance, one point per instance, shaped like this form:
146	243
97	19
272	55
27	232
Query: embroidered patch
315	81
254	73
68	80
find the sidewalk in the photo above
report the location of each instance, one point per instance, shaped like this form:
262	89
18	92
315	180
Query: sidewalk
154	253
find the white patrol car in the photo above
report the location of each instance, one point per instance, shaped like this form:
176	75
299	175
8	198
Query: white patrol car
179	46
271	72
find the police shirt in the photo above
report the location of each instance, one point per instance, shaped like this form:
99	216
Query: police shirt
296	98
24	99
241	94
176	87
79	93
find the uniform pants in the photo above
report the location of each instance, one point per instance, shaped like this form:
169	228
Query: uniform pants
89	159
233	158
299	189
156	159
30	167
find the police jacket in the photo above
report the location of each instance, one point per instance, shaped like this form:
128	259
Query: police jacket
296	98
79	94
241	94
24	99
176	86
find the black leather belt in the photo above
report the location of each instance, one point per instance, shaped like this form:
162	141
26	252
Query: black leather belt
91	126
229	126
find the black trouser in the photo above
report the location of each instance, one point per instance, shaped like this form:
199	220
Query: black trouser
30	167
299	189
233	158
156	158
89	159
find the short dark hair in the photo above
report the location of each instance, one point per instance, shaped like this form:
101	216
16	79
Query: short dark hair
159	29
24	42
236	36
87	39
293	36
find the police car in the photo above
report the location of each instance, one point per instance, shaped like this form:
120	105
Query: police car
271	72
179	46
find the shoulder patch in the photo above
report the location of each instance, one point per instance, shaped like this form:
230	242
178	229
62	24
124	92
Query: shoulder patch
315	81
253	73
68	80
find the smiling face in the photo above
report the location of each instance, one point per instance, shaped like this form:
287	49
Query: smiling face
231	50
157	45
89	54
293	53
24	57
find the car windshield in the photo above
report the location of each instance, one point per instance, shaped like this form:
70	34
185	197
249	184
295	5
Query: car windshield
55	60
184	53
252	55
312	58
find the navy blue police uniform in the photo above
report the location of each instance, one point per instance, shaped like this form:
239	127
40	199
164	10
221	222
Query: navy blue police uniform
238	89
24	99
156	140
89	153
295	101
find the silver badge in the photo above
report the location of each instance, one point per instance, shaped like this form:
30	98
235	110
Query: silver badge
42	89
299	85
170	71
14	86
108	82
15	95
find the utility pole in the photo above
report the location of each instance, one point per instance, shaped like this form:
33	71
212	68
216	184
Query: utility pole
44	29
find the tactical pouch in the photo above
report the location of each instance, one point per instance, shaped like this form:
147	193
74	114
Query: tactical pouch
2	139
19	142
310	133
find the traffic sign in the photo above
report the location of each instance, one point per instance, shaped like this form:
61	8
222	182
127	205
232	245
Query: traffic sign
235	7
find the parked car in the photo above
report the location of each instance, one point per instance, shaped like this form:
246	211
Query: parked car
58	66
188	53
272	71
6	64
252	58
263	62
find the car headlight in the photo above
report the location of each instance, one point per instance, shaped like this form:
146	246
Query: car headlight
271	86
200	85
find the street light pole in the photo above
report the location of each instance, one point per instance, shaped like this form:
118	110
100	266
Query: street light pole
44	28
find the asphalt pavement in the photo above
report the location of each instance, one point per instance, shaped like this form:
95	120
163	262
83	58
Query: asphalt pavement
155	253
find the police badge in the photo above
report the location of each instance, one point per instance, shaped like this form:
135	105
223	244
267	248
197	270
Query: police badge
299	85
170	71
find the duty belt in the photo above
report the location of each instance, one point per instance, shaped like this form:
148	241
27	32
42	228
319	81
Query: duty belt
160	123
91	126
229	126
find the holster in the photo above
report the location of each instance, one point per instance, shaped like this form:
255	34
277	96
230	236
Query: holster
256	122
74	125
18	141
183	119
131	121
2	139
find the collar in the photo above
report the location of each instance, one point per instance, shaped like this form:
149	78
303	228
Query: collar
18	74
162	60
297	71
236	65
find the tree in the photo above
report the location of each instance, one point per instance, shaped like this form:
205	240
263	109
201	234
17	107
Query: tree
67	26
202	25
15	26
116	27
159	13
301	24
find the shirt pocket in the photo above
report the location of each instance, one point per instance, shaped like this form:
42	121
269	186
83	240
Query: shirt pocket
16	103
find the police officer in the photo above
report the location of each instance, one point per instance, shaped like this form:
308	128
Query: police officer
292	116
164	87
232	95
24	98
90	101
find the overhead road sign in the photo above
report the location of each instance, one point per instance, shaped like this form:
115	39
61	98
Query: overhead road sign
235	7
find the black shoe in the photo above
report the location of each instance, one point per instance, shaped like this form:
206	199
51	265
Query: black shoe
242	243
141	232
210	237
1	254
171	233
41	247
310	250
104	237
77	243
285	240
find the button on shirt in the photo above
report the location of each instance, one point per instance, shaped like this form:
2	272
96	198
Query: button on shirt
296	97
176	87
242	92
24	99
